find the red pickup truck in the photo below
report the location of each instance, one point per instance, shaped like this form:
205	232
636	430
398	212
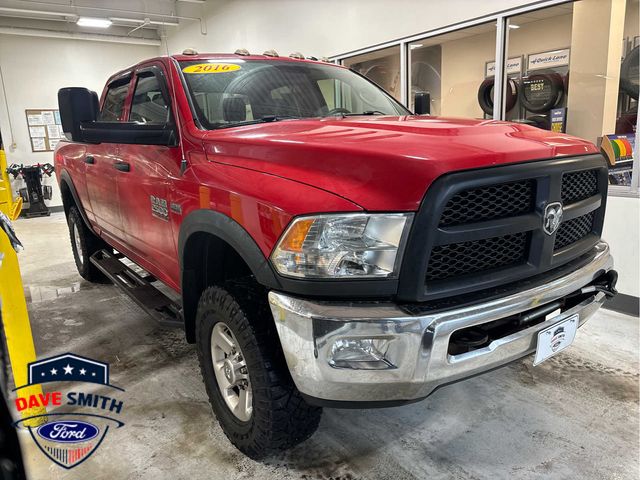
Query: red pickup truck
328	246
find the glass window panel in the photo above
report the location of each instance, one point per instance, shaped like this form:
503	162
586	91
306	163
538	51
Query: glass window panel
580	74
260	89
450	69
114	101
148	104
381	67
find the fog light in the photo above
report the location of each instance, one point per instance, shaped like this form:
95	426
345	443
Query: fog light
361	354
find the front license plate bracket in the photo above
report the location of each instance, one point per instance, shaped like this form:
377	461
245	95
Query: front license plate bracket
552	340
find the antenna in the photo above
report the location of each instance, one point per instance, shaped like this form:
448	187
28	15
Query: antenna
174	100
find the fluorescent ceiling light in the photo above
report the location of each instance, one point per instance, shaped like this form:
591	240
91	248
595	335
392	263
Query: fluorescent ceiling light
93	22
514	26
416	45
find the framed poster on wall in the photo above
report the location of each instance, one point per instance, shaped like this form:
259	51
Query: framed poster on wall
45	129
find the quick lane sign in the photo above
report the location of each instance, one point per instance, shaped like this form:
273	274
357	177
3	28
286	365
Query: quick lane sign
553	58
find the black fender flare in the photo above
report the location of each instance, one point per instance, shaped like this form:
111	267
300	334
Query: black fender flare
65	177
230	231
233	234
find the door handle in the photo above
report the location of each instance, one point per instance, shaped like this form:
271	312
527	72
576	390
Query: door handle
122	166
89	159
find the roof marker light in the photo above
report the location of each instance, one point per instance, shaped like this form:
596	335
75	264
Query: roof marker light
242	51
297	55
271	53
189	51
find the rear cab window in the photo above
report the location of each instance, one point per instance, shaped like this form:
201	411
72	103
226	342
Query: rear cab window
113	105
149	103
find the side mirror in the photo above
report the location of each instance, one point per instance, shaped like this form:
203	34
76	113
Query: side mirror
77	105
79	109
422	103
129	133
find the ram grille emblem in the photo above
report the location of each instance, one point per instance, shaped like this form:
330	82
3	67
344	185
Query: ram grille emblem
552	218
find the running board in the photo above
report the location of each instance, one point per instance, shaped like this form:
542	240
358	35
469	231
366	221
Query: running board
164	310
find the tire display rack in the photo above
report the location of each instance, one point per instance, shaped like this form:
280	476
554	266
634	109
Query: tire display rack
529	95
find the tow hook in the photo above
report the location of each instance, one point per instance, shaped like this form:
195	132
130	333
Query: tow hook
605	284
463	341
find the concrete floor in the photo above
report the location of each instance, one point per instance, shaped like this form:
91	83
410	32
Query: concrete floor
575	416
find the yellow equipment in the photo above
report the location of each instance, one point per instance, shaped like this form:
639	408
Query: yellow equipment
7	206
15	319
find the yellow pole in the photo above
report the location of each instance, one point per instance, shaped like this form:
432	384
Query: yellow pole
6	198
17	329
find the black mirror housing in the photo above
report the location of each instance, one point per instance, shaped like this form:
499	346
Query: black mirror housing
422	103
129	133
77	105
79	109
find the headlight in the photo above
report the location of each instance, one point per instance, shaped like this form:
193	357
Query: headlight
354	245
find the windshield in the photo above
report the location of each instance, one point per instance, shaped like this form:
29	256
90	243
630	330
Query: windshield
233	92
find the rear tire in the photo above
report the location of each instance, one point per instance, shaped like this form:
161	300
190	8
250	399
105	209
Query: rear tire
84	243
278	417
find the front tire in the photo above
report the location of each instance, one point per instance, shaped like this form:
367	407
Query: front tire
244	371
84	243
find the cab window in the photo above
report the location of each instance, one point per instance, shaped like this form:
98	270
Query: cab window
113	104
149	104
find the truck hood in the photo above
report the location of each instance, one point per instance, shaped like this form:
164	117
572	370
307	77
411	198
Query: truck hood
382	163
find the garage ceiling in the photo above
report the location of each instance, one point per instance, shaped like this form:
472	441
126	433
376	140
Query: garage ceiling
131	21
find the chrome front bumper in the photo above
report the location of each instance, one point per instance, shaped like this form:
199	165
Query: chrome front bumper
417	346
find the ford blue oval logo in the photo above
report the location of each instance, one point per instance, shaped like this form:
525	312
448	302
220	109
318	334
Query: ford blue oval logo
68	431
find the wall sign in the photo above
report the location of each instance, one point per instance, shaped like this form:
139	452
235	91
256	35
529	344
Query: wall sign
45	129
558	119
550	59
513	67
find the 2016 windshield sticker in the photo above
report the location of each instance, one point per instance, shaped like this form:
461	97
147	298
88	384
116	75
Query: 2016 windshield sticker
211	68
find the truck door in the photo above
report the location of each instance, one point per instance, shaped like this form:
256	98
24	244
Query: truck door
100	161
145	191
